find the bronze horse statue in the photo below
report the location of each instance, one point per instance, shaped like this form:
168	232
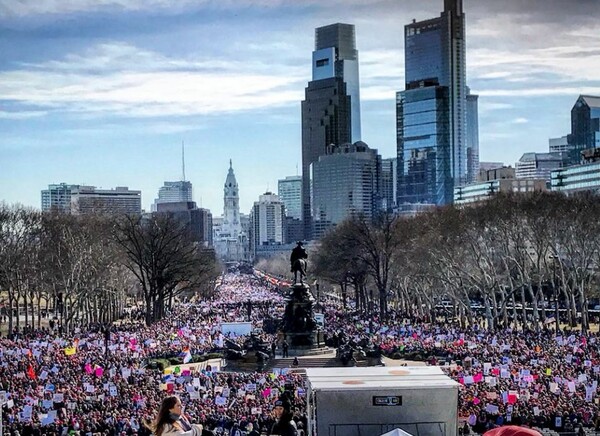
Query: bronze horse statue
299	262
299	266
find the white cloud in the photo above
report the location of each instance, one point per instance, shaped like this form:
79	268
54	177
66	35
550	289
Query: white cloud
22	115
566	61
541	91
20	8
11	8
520	120
486	106
121	79
375	93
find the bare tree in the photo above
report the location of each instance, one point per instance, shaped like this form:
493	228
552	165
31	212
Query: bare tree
161	255
377	245
19	228
337	261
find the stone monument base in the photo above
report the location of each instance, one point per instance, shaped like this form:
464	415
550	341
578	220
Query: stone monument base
300	329
310	351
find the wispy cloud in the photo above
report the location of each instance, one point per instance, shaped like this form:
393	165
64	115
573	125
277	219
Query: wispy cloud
121	79
564	61
381	74
21	115
486	106
541	91
20	8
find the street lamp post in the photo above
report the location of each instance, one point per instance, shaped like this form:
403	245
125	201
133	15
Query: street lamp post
318	296
3	401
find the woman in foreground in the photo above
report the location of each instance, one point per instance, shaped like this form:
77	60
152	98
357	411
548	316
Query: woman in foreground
170	420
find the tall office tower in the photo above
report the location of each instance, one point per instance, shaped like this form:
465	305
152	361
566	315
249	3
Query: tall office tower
335	55
198	221
89	200
174	192
290	192
58	197
431	111
267	222
472	136
344	182
331	107
585	127
389	183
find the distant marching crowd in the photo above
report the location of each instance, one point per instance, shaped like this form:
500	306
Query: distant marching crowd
53	385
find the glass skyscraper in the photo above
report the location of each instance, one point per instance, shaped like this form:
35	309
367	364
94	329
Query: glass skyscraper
431	111
472	137
345	182
331	108
389	183
424	161
585	127
335	55
290	192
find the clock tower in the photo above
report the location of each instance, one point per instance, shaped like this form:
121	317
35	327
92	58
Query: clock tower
231	206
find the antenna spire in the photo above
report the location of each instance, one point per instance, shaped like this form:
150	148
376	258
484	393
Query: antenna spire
183	160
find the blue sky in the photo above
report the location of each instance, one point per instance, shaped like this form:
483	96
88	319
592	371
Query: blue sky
103	92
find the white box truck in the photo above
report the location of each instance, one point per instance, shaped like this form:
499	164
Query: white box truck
361	403
377	371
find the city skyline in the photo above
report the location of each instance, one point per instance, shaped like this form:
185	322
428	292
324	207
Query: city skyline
103	92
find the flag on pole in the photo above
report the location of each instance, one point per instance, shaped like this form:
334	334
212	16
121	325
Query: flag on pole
31	372
187	356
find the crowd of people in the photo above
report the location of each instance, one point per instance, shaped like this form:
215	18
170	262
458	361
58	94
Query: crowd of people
541	379
98	383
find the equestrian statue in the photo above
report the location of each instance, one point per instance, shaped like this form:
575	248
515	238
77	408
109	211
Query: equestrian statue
298	262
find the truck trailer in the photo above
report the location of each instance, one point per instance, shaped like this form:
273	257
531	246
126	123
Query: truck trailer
377	371
364	403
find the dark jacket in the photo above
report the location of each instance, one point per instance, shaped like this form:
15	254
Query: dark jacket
284	427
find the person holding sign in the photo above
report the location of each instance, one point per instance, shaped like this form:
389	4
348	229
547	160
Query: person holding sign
170	420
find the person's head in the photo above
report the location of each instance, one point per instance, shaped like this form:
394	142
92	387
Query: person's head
169	413
279	409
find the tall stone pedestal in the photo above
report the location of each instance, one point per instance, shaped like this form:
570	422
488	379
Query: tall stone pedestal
299	324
